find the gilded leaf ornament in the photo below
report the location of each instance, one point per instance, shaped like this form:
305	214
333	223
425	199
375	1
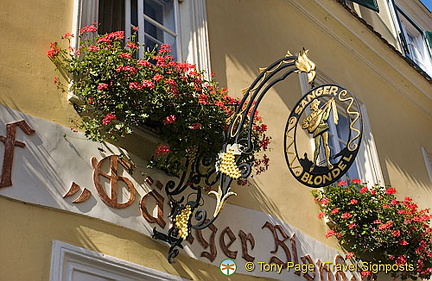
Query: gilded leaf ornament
304	64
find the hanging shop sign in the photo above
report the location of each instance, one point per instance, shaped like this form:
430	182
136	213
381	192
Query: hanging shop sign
328	113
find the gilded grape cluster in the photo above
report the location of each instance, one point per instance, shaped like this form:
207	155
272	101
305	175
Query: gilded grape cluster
228	166
182	220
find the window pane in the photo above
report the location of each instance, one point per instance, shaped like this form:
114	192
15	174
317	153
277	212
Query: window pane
428	35
111	16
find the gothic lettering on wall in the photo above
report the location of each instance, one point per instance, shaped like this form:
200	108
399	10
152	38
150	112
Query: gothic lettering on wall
114	179
85	194
159	205
9	147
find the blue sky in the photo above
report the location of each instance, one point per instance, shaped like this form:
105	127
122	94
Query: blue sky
428	4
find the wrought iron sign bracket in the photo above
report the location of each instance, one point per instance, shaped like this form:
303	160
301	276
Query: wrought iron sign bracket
187	213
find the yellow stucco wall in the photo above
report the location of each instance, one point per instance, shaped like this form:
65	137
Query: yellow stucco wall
26	74
30	231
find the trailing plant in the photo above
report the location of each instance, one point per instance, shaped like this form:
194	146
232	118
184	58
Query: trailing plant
120	89
373	225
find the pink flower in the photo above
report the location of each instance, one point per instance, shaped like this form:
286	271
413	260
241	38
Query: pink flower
330	233
90	100
93	48
394	202
342	183
55	50
135	85
353	201
386	206
364	189
157	77
128	68
356	181
324	201
373	191
390	190
102	86
90	28
384	226
162	150
346	215
403	242
67	35
195	126
125	55
148	84
132	45
171	82
349	255
401	260
108	118
396	233
352	225
321	215
169	119
203	99
165	48
264	143
144	63
334	211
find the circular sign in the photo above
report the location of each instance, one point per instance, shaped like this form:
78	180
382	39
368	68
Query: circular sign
331	116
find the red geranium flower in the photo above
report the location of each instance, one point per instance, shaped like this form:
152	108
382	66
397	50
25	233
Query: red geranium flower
346	215
162	150
390	190
342	183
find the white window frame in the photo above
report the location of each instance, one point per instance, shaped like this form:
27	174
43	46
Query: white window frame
68	260
417	46
191	28
367	161
428	162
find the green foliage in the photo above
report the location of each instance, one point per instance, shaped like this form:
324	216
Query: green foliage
120	90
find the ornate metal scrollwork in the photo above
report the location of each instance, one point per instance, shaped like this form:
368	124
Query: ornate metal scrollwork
186	213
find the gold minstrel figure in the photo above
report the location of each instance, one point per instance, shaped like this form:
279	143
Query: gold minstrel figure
315	124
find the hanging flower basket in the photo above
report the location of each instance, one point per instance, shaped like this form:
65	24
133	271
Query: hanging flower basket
119	90
377	228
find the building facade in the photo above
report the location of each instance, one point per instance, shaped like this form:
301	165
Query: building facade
62	221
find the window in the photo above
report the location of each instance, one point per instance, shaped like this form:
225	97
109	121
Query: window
71	263
428	161
158	22
414	40
366	165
